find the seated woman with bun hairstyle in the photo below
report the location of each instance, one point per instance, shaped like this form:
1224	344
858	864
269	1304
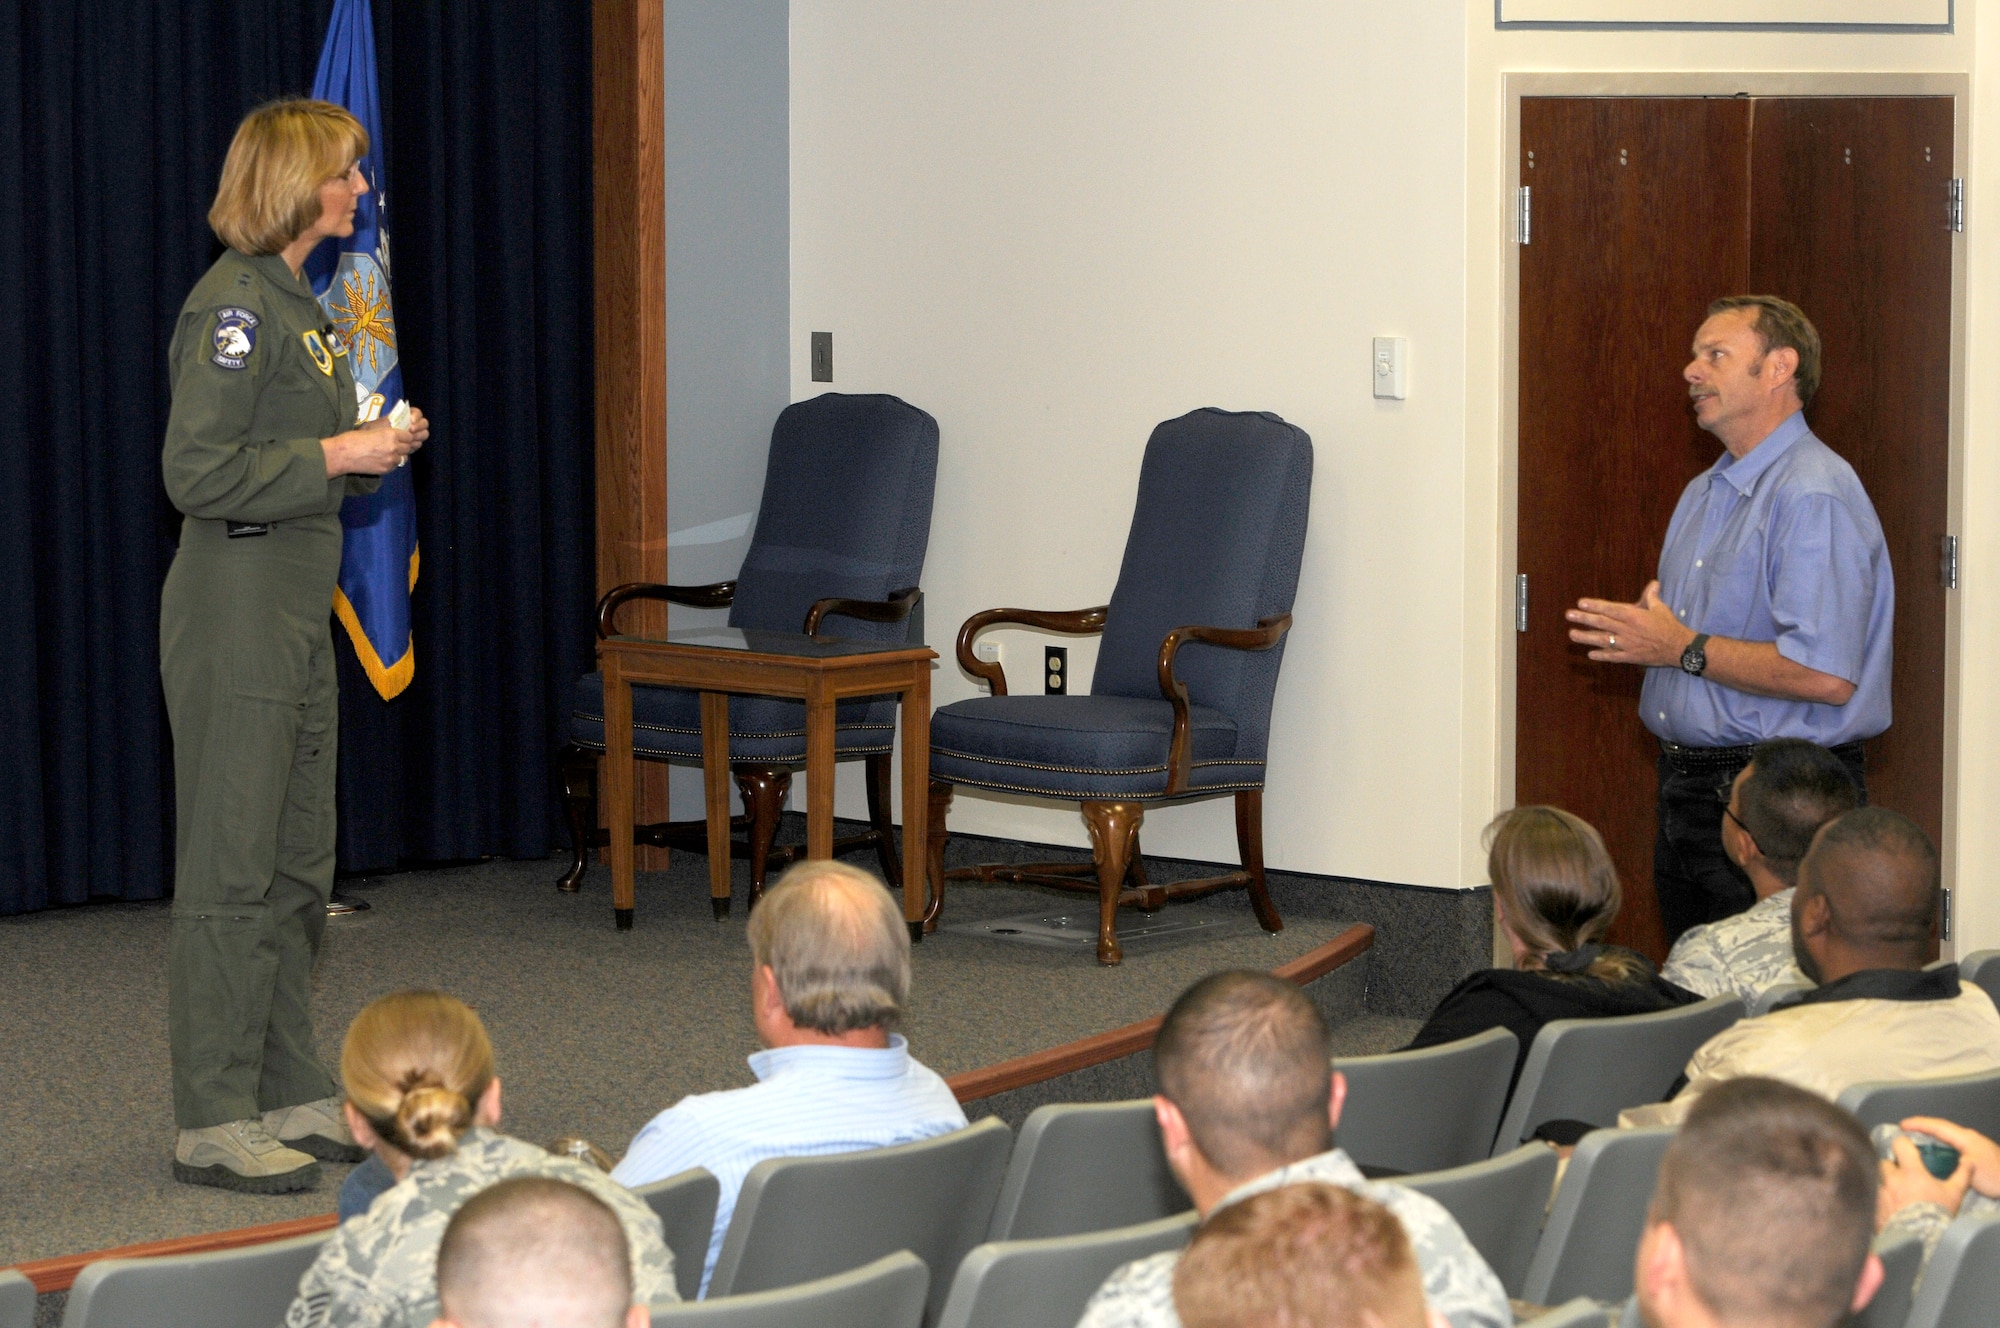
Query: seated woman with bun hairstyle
423	1097
1555	896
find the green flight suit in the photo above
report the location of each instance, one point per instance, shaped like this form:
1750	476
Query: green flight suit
246	658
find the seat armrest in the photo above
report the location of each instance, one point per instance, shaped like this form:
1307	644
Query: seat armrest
717	596
893	609
1267	633
1082	622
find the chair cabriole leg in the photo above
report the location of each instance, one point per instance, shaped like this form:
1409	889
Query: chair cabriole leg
1114	831
935	838
880	775
763	789
1250	844
577	768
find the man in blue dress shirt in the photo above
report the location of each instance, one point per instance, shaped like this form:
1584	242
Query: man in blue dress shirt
830	972
1771	614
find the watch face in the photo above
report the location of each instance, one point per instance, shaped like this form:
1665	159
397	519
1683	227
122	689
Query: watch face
1694	659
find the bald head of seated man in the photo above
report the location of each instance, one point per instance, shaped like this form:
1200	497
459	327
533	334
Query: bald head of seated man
1861	928
1304	1256
535	1253
1762	1215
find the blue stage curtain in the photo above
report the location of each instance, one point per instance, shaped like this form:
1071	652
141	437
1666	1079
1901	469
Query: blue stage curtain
114	117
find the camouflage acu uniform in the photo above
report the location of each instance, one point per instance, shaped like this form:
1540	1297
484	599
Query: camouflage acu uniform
1457	1281
380	1269
1927	1221
1744	956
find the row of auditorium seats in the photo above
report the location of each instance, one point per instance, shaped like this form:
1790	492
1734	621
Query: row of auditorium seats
1030	1227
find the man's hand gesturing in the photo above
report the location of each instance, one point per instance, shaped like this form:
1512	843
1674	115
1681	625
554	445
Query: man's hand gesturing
1647	633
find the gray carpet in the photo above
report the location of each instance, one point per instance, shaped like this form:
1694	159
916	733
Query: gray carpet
595	1030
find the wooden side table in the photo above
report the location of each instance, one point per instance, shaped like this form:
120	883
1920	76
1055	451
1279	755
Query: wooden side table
716	661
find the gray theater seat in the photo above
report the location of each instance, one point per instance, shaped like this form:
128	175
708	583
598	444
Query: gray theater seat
246	1288
1081	1167
1035	1283
1499	1204
1592	1234
1902	1259
888	1293
17	1300
1591	1069
1962	1285
1982	969
1428	1109
685	1204
1971	1100
799	1218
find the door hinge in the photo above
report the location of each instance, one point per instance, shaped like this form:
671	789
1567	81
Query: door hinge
1521	602
1944	914
1955	195
1948	562
1523	227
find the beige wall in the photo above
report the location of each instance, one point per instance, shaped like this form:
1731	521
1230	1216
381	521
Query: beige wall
1053	225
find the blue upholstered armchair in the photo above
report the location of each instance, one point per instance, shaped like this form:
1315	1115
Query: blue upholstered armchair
839	548
1180	706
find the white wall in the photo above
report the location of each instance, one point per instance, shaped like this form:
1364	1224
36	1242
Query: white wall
1054	225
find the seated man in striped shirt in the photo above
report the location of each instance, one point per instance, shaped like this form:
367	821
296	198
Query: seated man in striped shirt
830	970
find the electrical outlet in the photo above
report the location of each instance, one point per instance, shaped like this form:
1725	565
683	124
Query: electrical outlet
822	357
1055	670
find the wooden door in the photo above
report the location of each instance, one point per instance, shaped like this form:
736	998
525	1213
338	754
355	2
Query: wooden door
1645	209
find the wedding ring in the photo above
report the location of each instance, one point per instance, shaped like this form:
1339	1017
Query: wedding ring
1614	640
402	461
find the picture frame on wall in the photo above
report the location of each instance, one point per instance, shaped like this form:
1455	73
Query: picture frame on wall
1900	15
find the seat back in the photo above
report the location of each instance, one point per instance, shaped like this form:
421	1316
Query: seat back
1216	539
798	1218
1085	1166
846	512
1971	1100
1593	1231
17	1300
888	1293
1498	1203
1902	1259
1592	1069
1768	999
1583	1312
1982	969
1429	1109
1033	1283
685	1204
245	1288
1962	1284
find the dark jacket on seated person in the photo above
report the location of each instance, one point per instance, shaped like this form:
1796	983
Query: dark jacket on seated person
1590	982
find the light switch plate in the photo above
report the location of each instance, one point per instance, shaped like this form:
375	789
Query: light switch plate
1390	367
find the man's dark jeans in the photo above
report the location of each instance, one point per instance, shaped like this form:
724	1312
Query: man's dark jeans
1693	878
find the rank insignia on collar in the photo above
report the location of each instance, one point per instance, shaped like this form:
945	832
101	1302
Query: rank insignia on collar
235	337
317	349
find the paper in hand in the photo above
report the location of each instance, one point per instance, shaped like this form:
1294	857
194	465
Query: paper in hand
399	414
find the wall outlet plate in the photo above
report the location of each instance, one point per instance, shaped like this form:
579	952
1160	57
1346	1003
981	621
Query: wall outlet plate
1055	670
822	357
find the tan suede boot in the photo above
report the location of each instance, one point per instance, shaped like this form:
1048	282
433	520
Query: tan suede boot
242	1155
318	1128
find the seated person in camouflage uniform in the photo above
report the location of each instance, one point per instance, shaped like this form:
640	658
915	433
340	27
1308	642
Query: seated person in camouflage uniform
1248	1102
1780	800
1762	1214
422	1096
1914	1201
1306	1256
535	1252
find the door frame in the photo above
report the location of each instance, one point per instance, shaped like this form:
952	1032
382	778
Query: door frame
1516	85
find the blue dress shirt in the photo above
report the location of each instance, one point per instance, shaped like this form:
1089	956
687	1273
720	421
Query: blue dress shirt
1780	545
808	1101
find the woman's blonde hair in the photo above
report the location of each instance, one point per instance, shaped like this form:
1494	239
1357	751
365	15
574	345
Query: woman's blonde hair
1555	880
282	153
414	1064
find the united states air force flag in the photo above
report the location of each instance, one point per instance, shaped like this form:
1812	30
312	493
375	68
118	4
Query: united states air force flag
378	562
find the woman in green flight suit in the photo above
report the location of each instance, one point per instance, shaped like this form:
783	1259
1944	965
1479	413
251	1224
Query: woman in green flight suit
261	449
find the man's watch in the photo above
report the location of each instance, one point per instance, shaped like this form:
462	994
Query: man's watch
1695	658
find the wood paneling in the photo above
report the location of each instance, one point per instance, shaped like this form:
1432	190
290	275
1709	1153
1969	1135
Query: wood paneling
630	239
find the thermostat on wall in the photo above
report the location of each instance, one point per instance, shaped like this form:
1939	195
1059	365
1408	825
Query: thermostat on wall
1392	357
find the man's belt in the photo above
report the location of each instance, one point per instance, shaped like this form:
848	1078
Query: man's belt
1700	760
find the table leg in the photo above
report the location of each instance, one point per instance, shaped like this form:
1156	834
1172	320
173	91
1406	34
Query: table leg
618	787
916	795
819	769
715	790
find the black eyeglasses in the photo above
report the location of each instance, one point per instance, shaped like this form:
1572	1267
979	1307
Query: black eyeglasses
1740	826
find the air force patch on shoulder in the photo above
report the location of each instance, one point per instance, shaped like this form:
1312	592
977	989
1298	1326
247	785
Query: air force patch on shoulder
235	337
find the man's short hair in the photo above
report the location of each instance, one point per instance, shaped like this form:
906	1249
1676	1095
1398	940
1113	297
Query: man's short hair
1248	1060
838	946
534	1251
1771	1190
1780	323
1879	873
1794	787
1311	1255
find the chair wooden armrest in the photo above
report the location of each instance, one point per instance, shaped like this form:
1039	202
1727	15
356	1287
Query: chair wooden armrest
717	596
1267	633
893	609
1083	622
